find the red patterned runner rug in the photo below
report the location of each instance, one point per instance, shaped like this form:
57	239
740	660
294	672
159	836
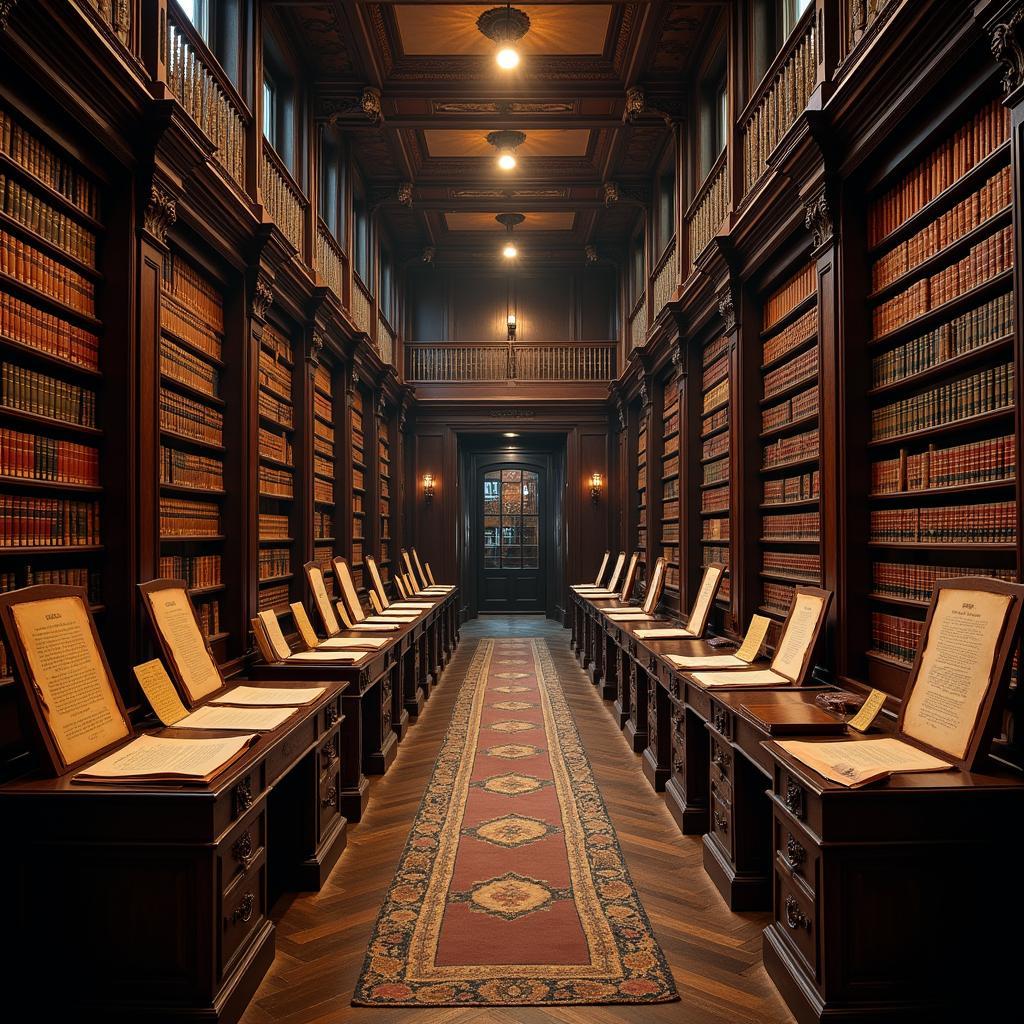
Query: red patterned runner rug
512	889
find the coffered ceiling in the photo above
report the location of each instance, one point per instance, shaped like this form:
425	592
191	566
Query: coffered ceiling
440	92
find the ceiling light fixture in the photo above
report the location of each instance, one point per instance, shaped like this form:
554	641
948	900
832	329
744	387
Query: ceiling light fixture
505	26
506	142
510	220
509	434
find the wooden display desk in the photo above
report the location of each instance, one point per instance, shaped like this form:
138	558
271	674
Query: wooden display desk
148	903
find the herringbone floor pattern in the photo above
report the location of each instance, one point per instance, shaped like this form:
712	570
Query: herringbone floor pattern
714	954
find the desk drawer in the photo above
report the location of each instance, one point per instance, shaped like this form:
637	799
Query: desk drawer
796	920
678	716
331	715
329	754
329	800
721	756
721	820
243	912
796	853
241	849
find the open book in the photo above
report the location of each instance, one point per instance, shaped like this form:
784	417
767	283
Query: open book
152	759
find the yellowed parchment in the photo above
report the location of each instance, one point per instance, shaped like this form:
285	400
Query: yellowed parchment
172	613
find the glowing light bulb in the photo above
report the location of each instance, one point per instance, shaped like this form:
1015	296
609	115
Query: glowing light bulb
507	161
507	58
510	252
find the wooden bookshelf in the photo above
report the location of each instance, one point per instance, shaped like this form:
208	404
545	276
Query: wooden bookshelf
385	549
360	492
671	507
715	486
325	469
790	480
642	488
940	445
192	328
276	483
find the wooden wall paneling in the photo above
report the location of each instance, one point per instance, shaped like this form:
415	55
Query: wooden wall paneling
429	521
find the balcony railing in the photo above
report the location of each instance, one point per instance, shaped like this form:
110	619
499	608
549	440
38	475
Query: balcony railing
330	263
284	202
489	362
708	209
638	325
385	340
666	280
204	91
360	308
861	15
116	15
779	101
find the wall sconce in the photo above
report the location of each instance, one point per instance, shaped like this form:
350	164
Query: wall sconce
428	487
596	483
510	322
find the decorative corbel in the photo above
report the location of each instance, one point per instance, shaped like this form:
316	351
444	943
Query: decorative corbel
429	253
636	104
610	193
645	396
678	358
405	193
160	212
316	347
590	253
818	218
341	111
1008	49
727	308
262	295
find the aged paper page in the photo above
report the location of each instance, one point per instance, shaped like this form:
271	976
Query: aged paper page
868	711
323	601
673	633
654	590
754	640
344	643
374	627
759	677
166	756
173	615
378	583
160	692
274	634
956	669
219	716
341	571
67	672
709	661
305	627
338	657
269	696
601	568
799	635
856	763
699	615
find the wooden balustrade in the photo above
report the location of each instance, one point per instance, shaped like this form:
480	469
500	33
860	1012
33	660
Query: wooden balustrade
455	362
638	325
861	15
779	101
708	209
666	280
195	78
282	199
330	262
360	307
385	340
116	15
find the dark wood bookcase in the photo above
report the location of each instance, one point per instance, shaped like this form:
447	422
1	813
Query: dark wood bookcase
669	513
327	412
712	487
385	549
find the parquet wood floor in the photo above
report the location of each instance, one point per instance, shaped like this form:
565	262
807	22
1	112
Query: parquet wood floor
715	955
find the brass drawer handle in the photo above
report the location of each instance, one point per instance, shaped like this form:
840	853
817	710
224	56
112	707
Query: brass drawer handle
243	796
721	822
794	798
332	796
796	855
244	910
795	917
243	849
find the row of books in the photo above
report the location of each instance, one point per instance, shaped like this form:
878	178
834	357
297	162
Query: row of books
716	472
323	432
273	526
938	171
275	411
972	463
715	446
964	333
274	562
670	439
276	597
791	526
786	298
181	517
186	368
323	523
323	491
30	391
805	565
323	466
198	571
994	196
48	333
274	377
46	275
915	582
986	391
791	449
45	220
792	488
988	258
718	419
323	406
275	446
991	523
186	324
716	396
793	336
717	553
715	529
275	483
322	381
48	522
277	343
670	464
895	636
776	597
186	469
791	409
31	153
208	613
36	457
669	530
190	418
800	368
190	287
715	372
715	500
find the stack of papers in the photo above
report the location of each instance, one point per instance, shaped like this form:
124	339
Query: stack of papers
672	633
342	643
270	696
167	759
247	719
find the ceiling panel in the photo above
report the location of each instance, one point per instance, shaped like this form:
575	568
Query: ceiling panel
431	29
451	142
547	220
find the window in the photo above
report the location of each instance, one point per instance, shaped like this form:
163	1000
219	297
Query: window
361	231
280	102
792	11
665	203
714	120
217	22
386	292
637	269
511	519
773	22
270	111
332	185
198	12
